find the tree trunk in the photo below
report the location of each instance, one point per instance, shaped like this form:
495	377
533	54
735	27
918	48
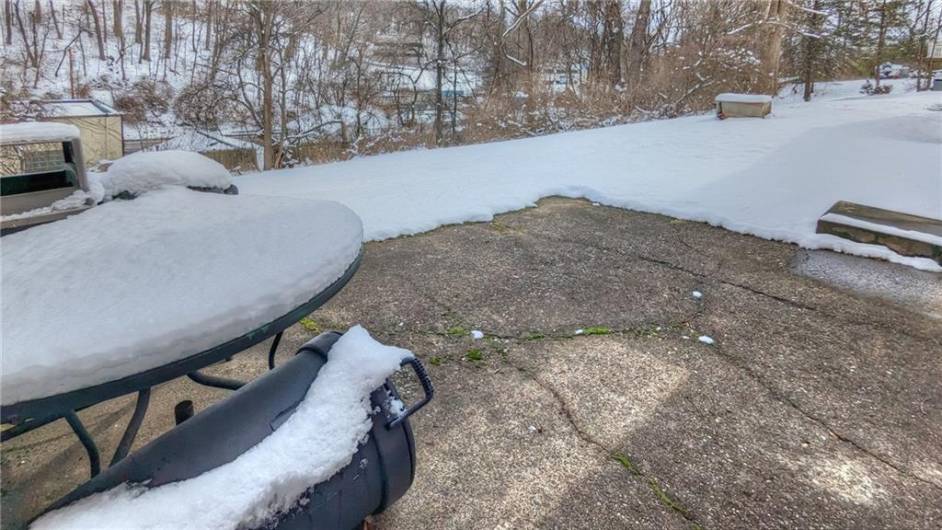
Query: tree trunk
31	57
55	20
117	9
497	66
97	21
148	13
265	21
71	74
439	8
209	24
104	22
8	22
138	25
881	43
638	39
924	48
613	34
168	28
811	47
929	57
771	47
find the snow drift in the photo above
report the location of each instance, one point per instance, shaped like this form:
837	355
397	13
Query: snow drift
769	177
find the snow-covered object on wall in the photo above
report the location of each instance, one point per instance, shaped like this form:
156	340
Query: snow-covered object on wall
132	285
315	442
36	132
145	171
729	97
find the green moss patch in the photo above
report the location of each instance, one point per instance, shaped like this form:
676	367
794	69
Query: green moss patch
310	324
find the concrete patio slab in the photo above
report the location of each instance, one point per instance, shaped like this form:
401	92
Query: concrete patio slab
816	405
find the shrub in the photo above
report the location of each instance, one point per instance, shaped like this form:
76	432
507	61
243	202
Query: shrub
143	100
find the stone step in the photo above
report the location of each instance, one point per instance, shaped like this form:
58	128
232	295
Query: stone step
903	233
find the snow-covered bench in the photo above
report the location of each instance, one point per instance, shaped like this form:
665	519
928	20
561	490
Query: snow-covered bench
730	105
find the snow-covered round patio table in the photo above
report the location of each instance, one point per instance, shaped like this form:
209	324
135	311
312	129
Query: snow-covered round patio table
134	293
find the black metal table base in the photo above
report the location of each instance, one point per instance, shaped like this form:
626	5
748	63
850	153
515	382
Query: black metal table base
137	418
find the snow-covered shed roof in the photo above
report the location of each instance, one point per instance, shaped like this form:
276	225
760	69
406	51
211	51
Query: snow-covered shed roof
35	132
75	108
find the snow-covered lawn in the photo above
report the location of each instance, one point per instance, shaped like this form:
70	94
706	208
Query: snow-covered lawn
769	177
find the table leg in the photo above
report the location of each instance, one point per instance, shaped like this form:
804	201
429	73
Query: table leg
134	425
94	460
273	350
214	381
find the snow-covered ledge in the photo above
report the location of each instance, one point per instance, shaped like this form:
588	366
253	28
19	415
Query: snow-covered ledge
731	105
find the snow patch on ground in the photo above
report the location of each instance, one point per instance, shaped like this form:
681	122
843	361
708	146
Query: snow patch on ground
706	339
769	178
316	441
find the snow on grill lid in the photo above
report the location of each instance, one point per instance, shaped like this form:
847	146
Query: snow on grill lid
148	170
315	442
132	285
729	97
36	132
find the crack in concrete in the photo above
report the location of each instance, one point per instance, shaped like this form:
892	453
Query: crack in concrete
679	268
609	453
567	411
711	278
785	400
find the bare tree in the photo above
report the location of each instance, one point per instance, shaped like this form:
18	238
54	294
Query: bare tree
638	41
770	50
442	20
117	7
55	20
118	10
209	24
613	35
29	44
148	9
138	24
168	29
8	22
93	12
812	46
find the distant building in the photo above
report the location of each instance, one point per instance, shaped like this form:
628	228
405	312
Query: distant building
393	47
101	126
934	50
